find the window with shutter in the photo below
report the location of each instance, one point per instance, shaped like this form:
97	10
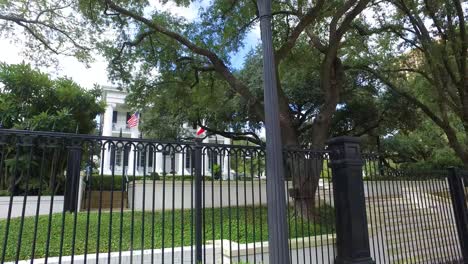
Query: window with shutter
126	154
112	157
188	159
173	162
150	157
114	117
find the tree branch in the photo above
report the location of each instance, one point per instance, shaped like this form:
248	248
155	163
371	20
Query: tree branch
23	21
422	73
350	16
236	85
304	22
437	23
442	123
339	13
248	136
316	42
198	70
406	95
464	45
139	38
38	37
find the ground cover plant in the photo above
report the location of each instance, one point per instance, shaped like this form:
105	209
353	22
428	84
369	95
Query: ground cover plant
239	224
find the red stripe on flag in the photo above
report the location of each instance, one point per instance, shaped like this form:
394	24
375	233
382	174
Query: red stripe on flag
200	131
133	121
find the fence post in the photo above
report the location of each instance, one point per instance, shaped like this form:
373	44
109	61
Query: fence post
198	201
73	177
352	238
457	194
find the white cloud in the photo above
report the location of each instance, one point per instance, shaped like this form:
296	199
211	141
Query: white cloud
97	74
68	66
190	13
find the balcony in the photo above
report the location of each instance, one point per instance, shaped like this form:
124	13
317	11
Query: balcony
116	127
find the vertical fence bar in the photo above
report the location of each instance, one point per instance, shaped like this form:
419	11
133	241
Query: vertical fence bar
38	205
198	202
192	215
460	211
76	189
28	142
73	177
352	238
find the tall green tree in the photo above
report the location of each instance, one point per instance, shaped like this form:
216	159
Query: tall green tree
425	147
31	99
157	53
420	53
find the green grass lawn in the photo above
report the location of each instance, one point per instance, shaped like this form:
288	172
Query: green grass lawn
247	225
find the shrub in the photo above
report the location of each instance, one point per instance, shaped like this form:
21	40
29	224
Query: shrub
107	183
216	171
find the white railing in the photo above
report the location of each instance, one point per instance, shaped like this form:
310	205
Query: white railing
120	126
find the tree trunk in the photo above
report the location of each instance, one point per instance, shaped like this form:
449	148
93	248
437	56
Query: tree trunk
304	168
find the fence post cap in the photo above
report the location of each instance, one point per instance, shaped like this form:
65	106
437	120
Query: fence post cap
345	149
343	139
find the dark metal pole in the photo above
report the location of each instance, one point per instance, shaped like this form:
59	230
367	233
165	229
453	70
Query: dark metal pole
276	197
460	210
198	202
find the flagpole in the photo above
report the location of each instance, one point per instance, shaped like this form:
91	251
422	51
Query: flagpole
276	197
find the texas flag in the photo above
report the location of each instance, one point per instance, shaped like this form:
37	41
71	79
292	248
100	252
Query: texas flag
200	131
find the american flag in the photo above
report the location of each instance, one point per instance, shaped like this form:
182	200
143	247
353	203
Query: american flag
133	121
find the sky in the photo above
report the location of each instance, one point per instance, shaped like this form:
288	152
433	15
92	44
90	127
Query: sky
97	74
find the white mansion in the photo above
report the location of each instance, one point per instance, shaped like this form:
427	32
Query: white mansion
114	123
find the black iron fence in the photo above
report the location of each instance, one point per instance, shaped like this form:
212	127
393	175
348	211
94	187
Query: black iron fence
68	198
410	214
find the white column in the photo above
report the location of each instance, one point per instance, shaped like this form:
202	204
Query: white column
131	159
107	124
224	159
157	162
133	154
225	168
181	166
107	131
164	165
